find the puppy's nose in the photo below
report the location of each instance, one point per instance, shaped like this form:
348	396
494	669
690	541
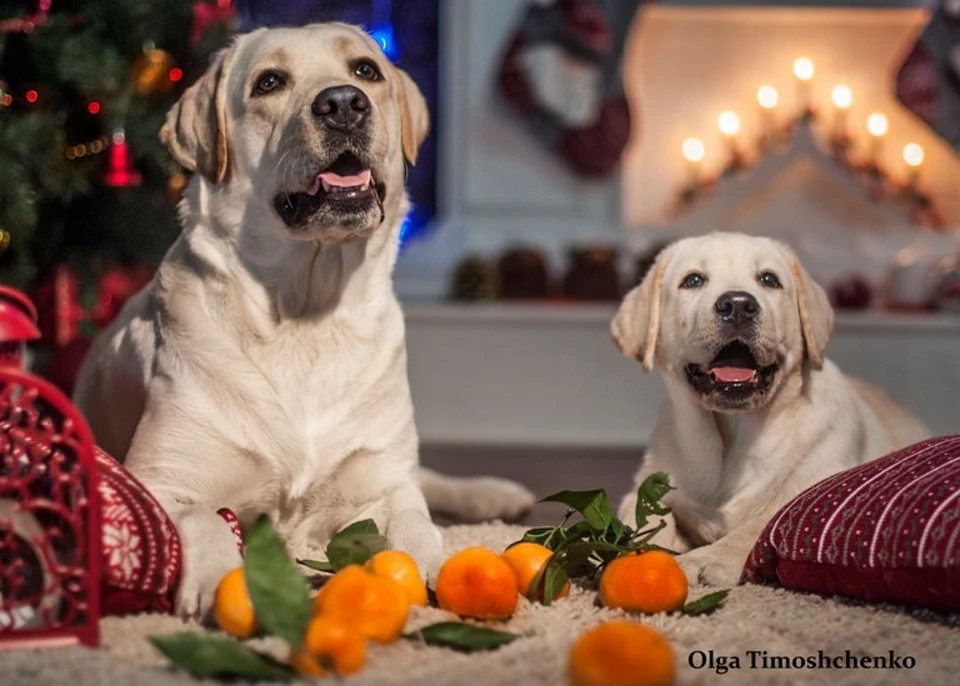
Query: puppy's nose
341	107
737	307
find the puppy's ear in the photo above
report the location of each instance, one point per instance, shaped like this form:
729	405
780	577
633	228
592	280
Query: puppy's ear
816	314
636	326
195	131
414	116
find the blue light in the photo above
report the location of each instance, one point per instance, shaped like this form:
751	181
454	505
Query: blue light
383	34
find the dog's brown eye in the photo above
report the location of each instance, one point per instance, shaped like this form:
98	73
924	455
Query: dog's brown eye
367	71
770	280
693	280
268	81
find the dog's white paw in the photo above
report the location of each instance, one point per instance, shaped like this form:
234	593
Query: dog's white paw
422	540
209	552
488	497
711	567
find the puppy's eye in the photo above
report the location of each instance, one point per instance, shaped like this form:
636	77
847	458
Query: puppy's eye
367	71
769	280
693	280
268	81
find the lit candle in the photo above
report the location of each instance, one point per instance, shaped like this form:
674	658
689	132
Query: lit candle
842	98
693	153
913	157
877	127
767	98
803	70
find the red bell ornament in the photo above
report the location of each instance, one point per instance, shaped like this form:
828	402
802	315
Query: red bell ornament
121	173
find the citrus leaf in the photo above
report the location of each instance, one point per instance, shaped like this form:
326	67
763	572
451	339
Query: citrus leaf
317	565
536	535
464	637
364	526
593	505
553	581
707	603
281	599
649	495
209	655
355	544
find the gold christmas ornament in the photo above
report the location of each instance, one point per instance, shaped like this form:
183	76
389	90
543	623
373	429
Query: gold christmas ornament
175	186
151	72
4	241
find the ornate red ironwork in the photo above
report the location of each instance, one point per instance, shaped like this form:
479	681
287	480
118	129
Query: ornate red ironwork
50	543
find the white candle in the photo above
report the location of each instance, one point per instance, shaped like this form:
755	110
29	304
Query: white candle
767	98
842	98
877	127
693	153
913	157
803	69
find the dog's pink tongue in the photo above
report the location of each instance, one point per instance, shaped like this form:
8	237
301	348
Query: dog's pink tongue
332	179
733	374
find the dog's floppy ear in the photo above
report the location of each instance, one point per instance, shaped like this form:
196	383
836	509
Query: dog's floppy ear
195	131
414	116
816	314
637	325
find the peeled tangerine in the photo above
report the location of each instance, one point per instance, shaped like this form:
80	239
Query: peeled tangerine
330	645
376	606
477	582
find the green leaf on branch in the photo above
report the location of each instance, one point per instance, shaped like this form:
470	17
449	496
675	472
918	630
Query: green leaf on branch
281	598
464	637
352	545
651	492
594	506
210	655
355	544
706	604
317	565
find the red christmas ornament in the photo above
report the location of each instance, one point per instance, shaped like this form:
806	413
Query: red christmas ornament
120	170
206	14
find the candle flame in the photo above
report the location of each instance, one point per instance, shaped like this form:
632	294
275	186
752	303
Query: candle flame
803	68
768	97
877	125
693	150
842	97
729	123
913	155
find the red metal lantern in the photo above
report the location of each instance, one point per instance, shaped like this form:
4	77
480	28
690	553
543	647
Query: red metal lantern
50	557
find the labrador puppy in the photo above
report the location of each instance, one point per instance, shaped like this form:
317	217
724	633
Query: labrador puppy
754	412
264	369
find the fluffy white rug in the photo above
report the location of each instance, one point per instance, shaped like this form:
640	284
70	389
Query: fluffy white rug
753	619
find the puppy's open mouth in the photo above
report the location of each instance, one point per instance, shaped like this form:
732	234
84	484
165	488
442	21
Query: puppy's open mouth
734	372
347	186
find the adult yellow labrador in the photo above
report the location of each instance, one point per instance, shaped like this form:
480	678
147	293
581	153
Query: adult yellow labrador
264	367
754	412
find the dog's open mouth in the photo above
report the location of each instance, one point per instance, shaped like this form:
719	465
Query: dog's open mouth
734	372
344	187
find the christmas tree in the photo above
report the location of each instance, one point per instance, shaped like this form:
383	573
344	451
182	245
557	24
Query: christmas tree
84	88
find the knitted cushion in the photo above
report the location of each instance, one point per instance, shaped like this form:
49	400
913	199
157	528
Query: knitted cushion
885	531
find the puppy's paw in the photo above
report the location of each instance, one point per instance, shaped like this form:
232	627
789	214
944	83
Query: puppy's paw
422	540
712	567
489	497
209	552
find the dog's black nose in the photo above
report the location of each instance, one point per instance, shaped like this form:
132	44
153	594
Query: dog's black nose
341	107
737	307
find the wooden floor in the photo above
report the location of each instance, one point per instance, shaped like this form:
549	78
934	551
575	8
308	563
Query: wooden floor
542	470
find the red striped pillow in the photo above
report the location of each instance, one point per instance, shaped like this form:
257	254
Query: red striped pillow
886	531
